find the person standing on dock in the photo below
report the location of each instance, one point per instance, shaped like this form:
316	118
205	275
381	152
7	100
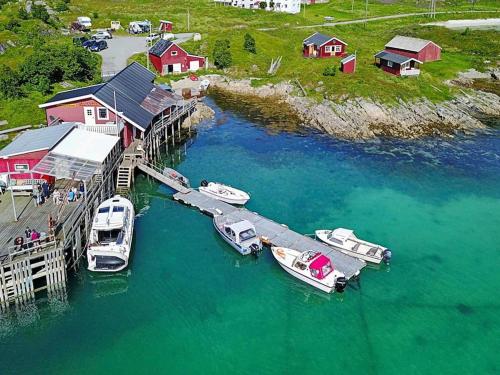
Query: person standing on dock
46	189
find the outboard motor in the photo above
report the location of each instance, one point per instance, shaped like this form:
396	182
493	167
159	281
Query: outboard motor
340	284
386	256
204	183
255	250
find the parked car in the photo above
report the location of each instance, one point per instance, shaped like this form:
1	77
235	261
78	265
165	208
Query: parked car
98	45
168	36
88	43
85	22
102	35
152	37
80	40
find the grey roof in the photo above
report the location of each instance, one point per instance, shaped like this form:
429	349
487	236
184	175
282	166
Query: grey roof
130	87
317	39
347	59
160	47
394	57
407	43
83	91
37	139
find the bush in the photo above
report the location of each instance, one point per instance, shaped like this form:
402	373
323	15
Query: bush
249	44
330	71
222	54
40	12
62	6
10	83
13	24
95	15
262	5
22	13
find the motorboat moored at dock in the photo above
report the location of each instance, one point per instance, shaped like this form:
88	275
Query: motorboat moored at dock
241	235
111	235
224	193
312	267
345	241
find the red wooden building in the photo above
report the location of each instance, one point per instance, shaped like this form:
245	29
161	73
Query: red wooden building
126	105
419	49
320	45
167	57
348	64
19	157
165	26
397	64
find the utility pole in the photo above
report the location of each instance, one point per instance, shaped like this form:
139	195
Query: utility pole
304	9
366	11
352	6
188	19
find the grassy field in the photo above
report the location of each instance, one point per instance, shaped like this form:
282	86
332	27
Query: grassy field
461	50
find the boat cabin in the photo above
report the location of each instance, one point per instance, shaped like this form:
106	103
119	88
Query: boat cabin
320	267
240	232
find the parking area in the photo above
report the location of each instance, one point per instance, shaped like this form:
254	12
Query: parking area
120	48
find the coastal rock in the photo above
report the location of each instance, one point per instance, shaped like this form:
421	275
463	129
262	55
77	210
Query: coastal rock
363	118
203	112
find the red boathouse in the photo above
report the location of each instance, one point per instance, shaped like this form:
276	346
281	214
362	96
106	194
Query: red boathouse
167	58
418	49
320	45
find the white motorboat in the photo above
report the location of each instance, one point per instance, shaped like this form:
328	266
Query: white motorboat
241	235
224	193
345	241
111	235
311	267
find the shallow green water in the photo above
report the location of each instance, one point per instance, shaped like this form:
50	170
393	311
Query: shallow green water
189	304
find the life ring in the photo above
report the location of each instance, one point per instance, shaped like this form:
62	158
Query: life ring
280	252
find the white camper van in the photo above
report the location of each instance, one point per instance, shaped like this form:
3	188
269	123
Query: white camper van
85	22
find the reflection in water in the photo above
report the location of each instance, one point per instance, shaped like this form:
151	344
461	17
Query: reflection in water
104	284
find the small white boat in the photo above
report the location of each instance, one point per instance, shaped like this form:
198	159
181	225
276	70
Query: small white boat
174	175
311	267
345	241
241	235
204	83
111	235
224	193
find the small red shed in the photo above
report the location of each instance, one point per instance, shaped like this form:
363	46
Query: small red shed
396	64
320	45
418	49
167	57
165	26
348	64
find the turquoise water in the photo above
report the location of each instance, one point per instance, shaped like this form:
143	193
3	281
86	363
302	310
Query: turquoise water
189	304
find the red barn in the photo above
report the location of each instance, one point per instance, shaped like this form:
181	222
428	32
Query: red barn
165	26
398	65
167	57
320	45
419	49
127	105
348	64
20	156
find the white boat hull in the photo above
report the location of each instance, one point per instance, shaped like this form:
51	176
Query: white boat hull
306	279
225	193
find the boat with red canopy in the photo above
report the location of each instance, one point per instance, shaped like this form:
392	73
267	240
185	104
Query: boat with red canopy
312	267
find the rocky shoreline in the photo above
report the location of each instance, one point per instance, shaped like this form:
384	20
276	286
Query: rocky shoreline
362	118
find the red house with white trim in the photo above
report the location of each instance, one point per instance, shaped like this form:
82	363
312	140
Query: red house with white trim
127	105
167	57
321	46
418	49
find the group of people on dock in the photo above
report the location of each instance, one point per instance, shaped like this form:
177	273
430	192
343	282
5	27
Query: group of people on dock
42	192
31	239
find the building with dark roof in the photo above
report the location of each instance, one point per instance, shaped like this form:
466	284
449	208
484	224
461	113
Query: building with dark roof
126	105
420	49
397	64
321	45
168	58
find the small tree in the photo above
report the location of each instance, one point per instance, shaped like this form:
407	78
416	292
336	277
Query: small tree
9	83
262	5
249	44
39	11
222	54
95	15
62	6
12	25
330	71
22	13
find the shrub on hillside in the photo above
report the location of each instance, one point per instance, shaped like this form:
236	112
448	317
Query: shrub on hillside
62	6
222	54
10	84
330	71
22	13
39	11
13	25
249	44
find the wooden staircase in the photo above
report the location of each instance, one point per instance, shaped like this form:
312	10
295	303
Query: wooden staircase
125	176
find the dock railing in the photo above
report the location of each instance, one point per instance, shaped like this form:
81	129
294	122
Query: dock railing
28	248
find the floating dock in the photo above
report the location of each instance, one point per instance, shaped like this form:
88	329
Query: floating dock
276	234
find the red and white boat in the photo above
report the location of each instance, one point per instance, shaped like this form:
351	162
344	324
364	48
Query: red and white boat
311	267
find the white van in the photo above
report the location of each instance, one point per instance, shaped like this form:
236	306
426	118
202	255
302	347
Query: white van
85	22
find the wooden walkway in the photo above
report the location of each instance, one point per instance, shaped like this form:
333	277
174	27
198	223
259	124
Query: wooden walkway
275	233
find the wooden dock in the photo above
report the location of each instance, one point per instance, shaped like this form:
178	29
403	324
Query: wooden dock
274	233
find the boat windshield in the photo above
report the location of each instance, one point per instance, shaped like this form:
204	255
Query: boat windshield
104	210
247	234
118	209
107	236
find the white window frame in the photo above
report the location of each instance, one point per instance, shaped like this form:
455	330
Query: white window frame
99	113
21	167
390	64
337	48
173	53
328	49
